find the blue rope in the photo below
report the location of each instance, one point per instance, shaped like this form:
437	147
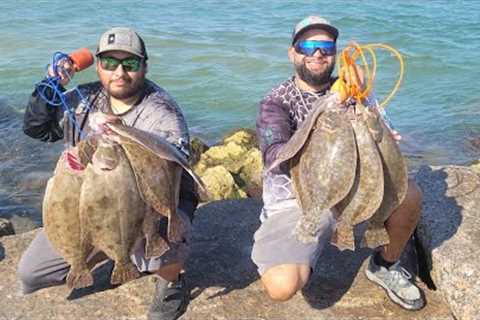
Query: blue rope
58	97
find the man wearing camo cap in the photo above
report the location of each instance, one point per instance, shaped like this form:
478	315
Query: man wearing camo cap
284	263
122	94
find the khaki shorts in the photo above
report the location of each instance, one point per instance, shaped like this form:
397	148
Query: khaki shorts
274	242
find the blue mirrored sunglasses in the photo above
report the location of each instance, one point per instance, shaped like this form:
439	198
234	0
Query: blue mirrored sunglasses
309	47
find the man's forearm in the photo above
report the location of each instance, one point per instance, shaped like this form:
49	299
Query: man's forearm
41	119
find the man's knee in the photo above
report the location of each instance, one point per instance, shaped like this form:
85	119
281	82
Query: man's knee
413	200
282	285
26	276
409	211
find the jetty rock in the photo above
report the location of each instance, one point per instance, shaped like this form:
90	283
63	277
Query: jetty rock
449	232
231	169
223	281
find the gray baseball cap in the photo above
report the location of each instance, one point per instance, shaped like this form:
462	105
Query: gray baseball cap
122	39
313	22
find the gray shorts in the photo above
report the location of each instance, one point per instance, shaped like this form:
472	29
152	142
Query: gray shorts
274	242
42	266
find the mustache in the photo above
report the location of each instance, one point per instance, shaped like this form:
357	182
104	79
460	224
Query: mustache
126	79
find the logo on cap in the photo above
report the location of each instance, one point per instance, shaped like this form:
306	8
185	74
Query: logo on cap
111	38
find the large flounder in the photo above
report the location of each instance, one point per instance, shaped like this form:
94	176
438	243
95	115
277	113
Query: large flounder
367	191
395	173
62	222
111	209
324	172
158	168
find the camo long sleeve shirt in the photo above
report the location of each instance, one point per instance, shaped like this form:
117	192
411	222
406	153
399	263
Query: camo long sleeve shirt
281	111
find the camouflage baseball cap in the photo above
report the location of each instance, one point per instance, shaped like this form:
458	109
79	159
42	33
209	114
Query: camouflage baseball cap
313	22
122	39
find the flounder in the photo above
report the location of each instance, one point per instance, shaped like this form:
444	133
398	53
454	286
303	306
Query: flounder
395	173
158	180
367	192
324	173
61	221
111	209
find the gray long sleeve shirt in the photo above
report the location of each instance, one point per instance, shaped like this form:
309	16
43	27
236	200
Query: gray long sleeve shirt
156	112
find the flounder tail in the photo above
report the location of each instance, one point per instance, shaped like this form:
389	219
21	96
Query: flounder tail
123	273
306	230
77	279
343	238
155	246
376	236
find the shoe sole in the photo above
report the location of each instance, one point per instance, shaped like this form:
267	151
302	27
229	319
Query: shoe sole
390	293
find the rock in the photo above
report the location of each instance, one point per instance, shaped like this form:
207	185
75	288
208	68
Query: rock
475	166
250	174
220	184
223	282
239	155
449	231
228	156
245	137
6	227
197	146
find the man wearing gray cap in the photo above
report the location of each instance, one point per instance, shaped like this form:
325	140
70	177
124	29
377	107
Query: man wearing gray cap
284	263
123	94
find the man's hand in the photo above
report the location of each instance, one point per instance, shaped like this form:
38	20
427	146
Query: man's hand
65	71
99	122
396	136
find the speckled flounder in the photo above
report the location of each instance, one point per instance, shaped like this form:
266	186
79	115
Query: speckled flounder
61	221
131	179
158	167
331	145
346	161
111	209
366	194
395	176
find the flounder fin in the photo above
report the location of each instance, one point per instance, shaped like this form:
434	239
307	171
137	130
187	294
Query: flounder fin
158	145
376	237
77	279
155	245
85	149
297	141
123	273
343	238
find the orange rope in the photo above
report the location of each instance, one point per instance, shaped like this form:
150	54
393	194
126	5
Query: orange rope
352	73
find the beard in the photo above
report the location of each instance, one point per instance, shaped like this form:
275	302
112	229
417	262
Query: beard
315	79
130	89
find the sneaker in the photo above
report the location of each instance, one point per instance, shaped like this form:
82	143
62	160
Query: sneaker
170	300
398	284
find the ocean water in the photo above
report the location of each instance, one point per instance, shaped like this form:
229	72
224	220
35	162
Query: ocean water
219	58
